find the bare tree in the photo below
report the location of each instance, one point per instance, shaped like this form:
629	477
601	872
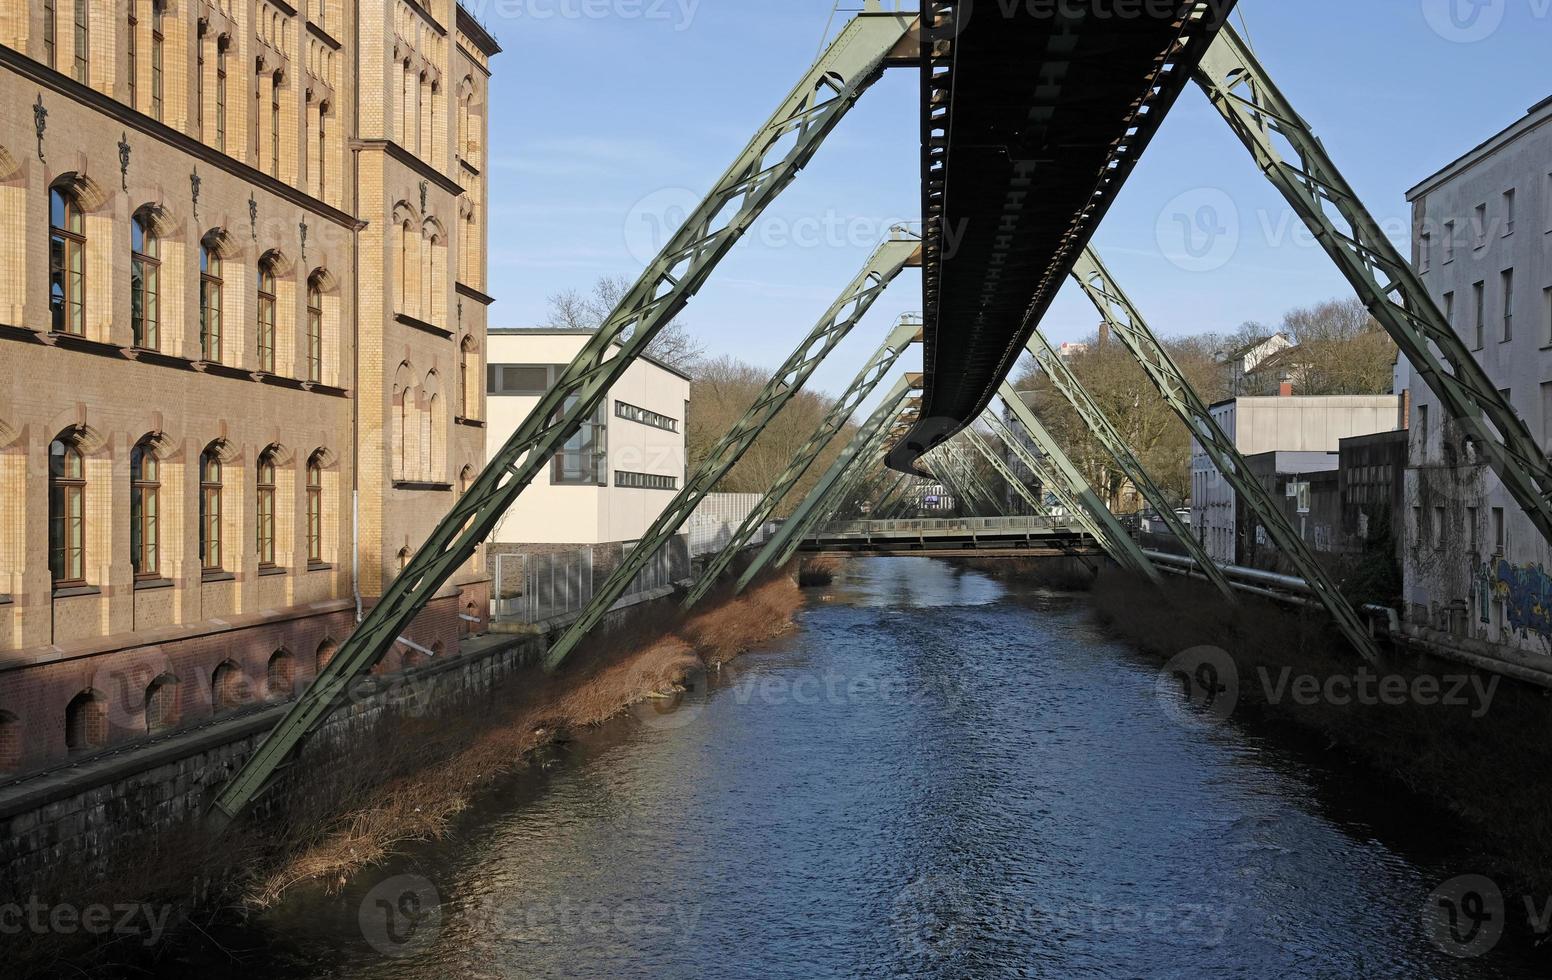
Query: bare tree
571	309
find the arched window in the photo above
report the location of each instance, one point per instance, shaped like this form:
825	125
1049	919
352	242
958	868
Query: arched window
266	320
468	378
145	509
280	679
314	511
161	704
265	489
210	510
10	742
86	722
67	511
67	262
405	290
50	19
323	149
145	269
315	327
404	558
210	284
228	687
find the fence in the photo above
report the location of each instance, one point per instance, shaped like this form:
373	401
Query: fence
534	588
715	519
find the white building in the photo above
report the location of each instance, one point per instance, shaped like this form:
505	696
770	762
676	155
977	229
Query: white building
1305	427
1482	242
616	475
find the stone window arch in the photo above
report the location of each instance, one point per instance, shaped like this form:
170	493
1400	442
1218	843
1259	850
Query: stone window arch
10	742
228	687
67	513
280	676
161	703
325	653
145	509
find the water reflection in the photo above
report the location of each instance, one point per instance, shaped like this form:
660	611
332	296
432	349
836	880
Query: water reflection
937	776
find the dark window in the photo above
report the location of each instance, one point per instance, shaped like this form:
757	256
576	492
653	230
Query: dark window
67	263
145	507
145	270
210	510
645	481
314	328
67	512
158	9
521	379
633	413
583	460
265	486
314	511
86	722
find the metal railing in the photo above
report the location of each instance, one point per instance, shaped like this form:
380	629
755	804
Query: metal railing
535	588
966	525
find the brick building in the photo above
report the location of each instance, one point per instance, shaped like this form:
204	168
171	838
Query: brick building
241	336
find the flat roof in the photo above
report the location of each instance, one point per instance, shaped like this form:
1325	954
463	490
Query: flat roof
575	332
1534	117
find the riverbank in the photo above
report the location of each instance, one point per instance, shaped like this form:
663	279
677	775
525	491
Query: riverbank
1464	741
406	785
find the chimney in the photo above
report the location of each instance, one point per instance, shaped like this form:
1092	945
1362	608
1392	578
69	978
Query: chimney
1285	389
1104	333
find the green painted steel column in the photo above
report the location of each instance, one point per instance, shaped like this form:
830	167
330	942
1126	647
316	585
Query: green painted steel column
833	327
781	147
1074	479
1127	324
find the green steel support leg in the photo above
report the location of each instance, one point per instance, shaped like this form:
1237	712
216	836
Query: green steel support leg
862	447
1079	500
781	147
944	474
1127	323
861	387
888	496
1110	437
960	464
1000	465
848	309
1242	91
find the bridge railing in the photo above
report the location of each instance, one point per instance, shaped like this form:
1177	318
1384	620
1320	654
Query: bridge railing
966	525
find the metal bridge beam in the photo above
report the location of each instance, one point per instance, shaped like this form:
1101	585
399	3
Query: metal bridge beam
833	327
1053	485
863	446
1099	424
905	333
780	148
1000	465
1127	323
951	460
1258	112
1111	535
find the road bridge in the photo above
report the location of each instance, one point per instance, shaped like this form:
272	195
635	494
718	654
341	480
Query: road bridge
983	537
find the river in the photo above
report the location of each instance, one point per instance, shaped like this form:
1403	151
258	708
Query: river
936	775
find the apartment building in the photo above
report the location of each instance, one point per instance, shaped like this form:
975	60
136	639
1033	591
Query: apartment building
243	302
1482	241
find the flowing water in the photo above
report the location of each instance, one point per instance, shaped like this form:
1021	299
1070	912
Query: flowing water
936	775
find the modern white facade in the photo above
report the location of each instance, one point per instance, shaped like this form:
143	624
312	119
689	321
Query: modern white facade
616	475
1305	427
1482	241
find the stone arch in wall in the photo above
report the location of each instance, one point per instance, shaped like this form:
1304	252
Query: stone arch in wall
229	688
404	424
280	676
162	703
326	651
86	722
13	226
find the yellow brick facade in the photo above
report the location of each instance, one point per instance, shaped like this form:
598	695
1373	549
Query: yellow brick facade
339	162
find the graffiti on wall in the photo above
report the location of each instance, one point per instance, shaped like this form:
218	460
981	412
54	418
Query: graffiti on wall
1525	591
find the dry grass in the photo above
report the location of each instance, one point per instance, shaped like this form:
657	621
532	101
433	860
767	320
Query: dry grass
1482	771
652	653
815	572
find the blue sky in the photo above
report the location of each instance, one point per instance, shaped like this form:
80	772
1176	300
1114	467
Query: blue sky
605	110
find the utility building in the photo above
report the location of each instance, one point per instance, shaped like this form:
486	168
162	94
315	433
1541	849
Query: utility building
1305	433
1473	567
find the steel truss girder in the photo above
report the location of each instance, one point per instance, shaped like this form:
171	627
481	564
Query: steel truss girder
955	460
1099	424
1050	483
833	327
1000	465
863	446
892	495
1242	91
1127	323
1080	497
780	148
944	474
905	333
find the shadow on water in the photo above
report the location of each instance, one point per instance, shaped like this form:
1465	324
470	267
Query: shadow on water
938	775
